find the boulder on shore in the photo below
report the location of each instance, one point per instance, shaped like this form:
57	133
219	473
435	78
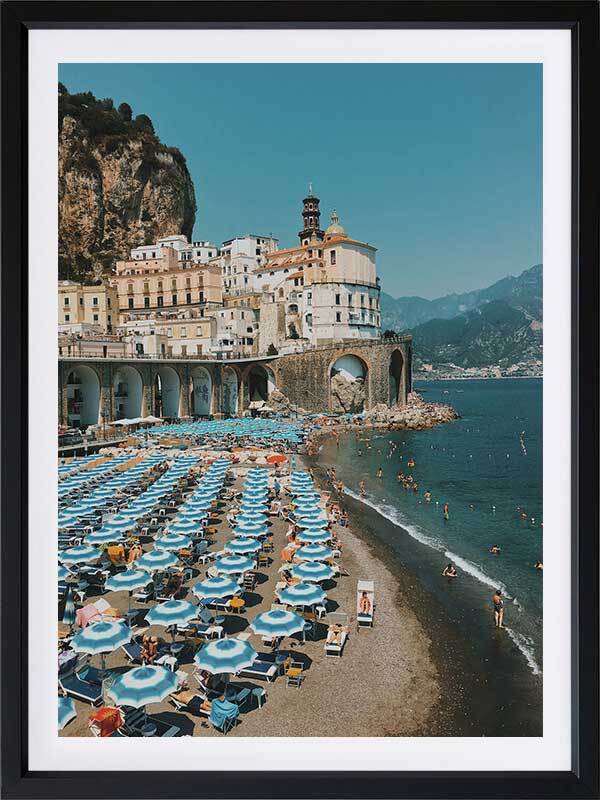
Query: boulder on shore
416	414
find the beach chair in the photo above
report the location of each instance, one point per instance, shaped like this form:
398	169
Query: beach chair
294	674
76	687
137	723
365	599
262	668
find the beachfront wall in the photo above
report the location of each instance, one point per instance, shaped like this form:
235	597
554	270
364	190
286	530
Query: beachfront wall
306	378
106	389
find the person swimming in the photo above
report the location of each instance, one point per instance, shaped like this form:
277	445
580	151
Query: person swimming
446	511
380	473
538	565
427	496
495	550
450	571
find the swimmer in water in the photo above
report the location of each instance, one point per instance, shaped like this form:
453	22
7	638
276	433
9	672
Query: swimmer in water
446	511
450	571
498	608
538	565
361	487
495	550
427	496
380	473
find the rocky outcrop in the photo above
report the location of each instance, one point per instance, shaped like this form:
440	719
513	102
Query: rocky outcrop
281	404
415	415
347	397
118	185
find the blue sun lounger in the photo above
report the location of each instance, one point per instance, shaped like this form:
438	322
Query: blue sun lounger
80	689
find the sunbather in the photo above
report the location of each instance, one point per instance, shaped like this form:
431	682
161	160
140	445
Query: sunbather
149	649
334	634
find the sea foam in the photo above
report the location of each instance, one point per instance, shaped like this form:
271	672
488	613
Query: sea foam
522	642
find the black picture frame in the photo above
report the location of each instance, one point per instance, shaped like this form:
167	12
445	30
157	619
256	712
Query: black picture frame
582	19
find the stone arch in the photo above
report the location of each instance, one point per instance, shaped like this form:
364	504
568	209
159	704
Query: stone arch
396	377
167	392
230	385
201	392
128	389
83	396
260	382
348	378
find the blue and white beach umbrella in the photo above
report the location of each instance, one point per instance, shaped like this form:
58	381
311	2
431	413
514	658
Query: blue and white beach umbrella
63	573
313	536
172	612
234	565
120	522
307	511
127	581
225	656
104	536
81	554
69	612
101	637
316	521
193	514
312	571
314	552
66	711
277	622
156	559
173	541
242	545
252	510
183	526
141	686
216	587
301	594
252	533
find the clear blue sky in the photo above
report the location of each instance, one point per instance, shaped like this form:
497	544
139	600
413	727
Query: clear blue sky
439	166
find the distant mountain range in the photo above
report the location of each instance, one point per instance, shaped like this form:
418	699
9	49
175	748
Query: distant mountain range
500	325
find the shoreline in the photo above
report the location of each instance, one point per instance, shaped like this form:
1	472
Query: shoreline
476	696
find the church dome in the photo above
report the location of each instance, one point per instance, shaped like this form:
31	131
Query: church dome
335	229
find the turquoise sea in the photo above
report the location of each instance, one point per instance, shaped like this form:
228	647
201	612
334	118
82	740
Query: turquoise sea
488	467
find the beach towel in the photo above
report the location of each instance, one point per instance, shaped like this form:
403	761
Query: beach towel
84	615
222	710
106	720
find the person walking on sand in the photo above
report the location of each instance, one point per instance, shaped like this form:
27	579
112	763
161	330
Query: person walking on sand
446	511
498	608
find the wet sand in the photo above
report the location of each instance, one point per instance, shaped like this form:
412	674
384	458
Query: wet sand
385	684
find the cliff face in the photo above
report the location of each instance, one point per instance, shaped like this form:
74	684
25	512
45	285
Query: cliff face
118	186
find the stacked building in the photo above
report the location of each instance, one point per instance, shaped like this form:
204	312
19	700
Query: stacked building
246	298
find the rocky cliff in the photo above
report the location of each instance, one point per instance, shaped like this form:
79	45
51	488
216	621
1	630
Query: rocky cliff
118	185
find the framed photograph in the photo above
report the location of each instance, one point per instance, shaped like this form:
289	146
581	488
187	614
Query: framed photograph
300	400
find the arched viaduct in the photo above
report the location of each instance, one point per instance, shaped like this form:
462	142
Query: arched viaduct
91	390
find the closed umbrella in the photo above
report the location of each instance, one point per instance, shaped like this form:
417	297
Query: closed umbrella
301	594
225	656
141	686
69	612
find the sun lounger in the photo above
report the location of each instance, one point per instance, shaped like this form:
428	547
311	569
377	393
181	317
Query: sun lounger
336	648
80	689
136	723
264	670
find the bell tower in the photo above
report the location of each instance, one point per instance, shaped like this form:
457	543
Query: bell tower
311	217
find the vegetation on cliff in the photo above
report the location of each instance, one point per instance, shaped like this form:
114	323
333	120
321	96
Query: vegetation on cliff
119	186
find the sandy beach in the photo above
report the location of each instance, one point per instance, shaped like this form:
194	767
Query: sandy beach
385	683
